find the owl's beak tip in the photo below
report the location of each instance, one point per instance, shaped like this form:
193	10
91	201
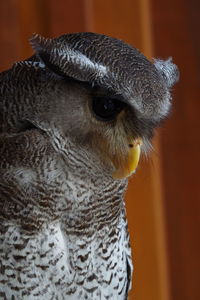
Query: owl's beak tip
131	162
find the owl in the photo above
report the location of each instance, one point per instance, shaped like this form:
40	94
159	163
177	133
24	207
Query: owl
74	118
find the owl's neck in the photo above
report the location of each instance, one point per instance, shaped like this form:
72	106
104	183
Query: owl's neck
93	204
46	191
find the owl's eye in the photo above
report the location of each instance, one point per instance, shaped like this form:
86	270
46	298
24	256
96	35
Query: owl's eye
106	109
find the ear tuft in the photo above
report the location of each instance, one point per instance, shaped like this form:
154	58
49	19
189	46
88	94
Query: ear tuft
43	48
65	61
168	70
39	43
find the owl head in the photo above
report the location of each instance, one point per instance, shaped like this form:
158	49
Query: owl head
97	99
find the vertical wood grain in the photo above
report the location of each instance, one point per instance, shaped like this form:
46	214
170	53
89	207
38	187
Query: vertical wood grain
66	16
33	18
19	19
176	26
9	33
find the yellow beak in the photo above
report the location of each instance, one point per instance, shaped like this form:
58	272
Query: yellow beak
131	162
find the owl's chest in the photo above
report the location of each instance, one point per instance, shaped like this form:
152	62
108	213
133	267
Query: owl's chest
54	265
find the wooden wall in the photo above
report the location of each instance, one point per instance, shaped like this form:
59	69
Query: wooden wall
162	199
176	25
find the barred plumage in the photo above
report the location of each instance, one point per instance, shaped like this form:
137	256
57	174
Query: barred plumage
63	228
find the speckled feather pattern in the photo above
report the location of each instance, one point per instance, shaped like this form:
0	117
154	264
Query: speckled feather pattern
70	241
63	227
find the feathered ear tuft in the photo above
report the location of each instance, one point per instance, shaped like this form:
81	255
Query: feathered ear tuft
168	70
63	60
39	43
45	50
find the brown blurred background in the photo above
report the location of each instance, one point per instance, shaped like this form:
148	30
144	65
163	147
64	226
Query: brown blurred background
163	200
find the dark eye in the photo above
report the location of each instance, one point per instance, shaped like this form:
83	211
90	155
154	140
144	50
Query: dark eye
106	109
